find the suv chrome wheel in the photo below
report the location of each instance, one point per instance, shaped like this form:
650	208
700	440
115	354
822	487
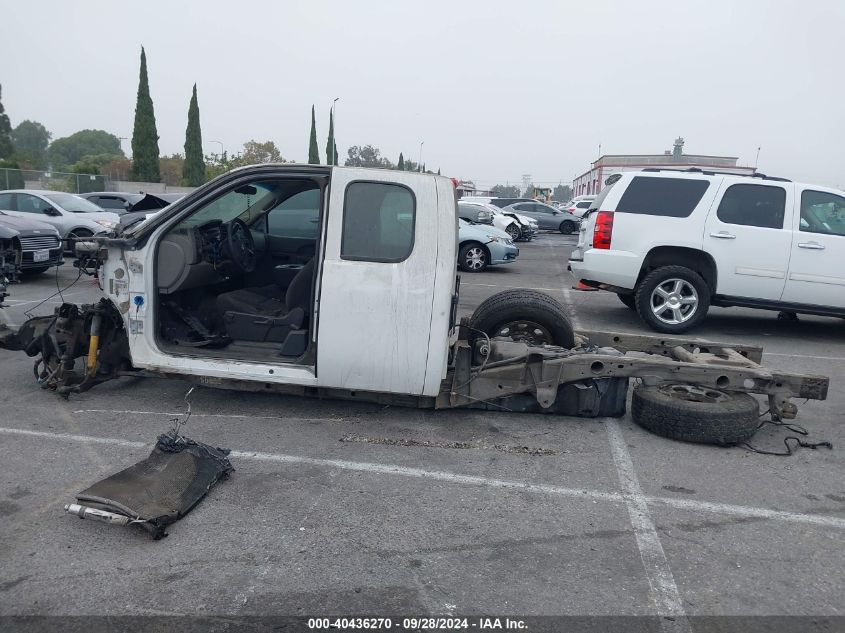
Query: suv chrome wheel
674	301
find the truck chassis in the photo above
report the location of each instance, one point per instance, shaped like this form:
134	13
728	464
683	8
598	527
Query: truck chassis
588	380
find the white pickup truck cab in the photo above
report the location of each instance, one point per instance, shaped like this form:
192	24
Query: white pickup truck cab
341	282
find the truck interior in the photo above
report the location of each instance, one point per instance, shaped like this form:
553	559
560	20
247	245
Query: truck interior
236	278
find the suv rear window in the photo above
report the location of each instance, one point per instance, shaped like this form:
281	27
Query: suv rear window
753	205
671	197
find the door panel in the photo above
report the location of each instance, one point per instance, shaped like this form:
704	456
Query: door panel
817	265
375	316
751	254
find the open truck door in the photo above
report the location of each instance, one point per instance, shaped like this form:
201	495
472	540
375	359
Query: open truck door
381	278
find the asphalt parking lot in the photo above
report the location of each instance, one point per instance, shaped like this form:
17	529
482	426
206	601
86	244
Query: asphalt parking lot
328	513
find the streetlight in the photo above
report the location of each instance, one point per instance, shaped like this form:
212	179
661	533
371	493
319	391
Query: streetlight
419	165
334	122
222	151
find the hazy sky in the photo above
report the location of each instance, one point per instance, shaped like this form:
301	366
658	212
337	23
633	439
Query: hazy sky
495	89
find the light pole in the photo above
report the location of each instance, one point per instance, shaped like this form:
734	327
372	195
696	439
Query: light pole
222	151
419	165
334	123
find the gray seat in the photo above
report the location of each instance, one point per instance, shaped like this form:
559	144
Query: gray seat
270	313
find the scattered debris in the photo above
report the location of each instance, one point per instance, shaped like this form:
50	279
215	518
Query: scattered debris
160	489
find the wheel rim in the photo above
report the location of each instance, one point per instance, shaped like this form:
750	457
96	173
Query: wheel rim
525	331
694	393
475	258
513	232
674	301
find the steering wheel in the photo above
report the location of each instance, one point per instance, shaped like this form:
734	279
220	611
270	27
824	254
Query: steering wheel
241	246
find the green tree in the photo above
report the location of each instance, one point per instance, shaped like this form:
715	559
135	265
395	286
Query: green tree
144	134
31	140
69	150
7	148
529	191
193	167
331	148
401	164
255	153
505	191
313	151
367	156
562	193
438	171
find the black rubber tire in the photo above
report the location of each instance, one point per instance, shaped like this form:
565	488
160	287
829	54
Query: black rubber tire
567	227
523	304
513	231
462	253
642	295
725	423
629	300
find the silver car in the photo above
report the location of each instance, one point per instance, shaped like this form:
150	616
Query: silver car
71	215
549	218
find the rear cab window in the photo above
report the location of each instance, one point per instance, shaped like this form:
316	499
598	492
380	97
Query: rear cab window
378	222
668	197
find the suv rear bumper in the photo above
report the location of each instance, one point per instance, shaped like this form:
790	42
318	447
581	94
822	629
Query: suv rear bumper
607	267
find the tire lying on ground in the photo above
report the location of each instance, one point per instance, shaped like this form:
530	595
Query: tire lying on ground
696	414
524	315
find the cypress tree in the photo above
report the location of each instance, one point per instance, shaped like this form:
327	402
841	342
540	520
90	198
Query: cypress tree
313	151
193	169
7	148
144	135
401	164
331	148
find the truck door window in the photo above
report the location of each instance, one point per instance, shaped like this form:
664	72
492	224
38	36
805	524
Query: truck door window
822	213
753	205
378	222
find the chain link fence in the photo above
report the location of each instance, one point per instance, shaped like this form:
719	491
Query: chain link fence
79	183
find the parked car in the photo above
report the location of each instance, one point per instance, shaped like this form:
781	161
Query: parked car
671	244
121	202
32	246
578	206
475	214
547	217
527	226
480	246
71	215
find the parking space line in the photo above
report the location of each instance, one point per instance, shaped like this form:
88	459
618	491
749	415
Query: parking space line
664	592
837	358
390	469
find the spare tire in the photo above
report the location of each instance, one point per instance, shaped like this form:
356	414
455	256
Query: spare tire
524	315
696	414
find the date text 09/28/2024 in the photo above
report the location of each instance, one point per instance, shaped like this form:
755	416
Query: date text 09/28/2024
416	624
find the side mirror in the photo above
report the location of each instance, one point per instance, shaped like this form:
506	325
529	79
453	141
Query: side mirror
51	211
126	205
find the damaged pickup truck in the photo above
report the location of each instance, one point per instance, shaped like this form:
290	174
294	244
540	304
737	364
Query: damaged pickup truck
341	282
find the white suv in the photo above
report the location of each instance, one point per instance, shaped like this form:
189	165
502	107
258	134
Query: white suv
671	244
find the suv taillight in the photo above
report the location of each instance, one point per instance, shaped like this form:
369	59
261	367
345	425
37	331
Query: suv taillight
603	229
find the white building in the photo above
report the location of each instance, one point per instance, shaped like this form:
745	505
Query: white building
591	181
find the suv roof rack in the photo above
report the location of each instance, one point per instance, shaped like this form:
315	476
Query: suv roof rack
698	170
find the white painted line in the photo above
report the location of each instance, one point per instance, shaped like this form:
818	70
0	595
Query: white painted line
664	592
199	415
389	469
